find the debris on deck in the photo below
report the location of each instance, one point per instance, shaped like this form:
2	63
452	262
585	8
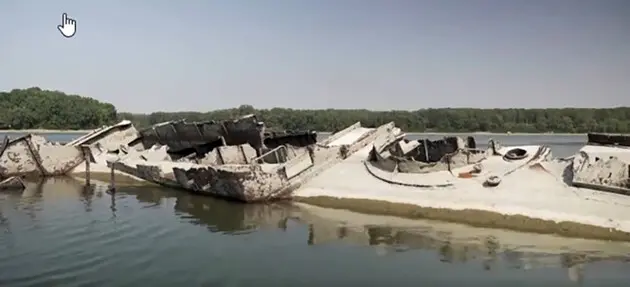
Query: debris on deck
603	164
239	172
33	155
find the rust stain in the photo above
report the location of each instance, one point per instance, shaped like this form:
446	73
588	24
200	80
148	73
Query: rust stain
465	175
538	166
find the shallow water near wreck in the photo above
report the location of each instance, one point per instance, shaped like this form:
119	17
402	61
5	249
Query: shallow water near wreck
60	233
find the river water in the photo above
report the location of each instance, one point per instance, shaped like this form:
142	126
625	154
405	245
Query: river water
60	233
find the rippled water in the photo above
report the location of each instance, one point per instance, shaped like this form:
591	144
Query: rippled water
60	233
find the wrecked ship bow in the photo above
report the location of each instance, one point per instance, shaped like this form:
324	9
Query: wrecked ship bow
272	181
369	169
239	172
603	164
377	170
183	138
33	156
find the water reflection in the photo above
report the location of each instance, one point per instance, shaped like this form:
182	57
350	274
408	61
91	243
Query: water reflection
4	223
456	243
112	202
216	214
30	203
87	193
451	243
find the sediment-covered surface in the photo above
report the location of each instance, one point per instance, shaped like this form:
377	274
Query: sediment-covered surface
108	138
33	155
182	135
232	172
605	168
533	193
530	199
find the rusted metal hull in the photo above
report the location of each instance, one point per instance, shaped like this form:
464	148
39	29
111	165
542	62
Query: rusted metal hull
185	138
265	182
425	156
605	168
148	172
248	183
238	177
108	138
33	155
182	135
243	182
293	138
608	139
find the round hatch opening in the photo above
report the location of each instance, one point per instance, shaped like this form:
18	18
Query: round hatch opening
515	154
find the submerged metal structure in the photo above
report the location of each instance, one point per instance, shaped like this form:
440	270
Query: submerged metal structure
603	164
181	136
184	138
238	172
33	156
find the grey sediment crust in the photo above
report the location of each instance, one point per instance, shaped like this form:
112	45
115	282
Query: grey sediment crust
120	179
473	217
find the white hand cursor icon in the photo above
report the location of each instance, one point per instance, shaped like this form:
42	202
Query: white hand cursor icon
68	26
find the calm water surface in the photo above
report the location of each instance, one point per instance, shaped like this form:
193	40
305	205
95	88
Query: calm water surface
60	233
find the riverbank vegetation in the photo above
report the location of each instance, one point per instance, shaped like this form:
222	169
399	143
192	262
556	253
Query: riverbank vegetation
34	108
570	120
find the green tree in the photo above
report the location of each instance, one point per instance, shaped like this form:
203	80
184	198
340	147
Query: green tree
36	108
568	120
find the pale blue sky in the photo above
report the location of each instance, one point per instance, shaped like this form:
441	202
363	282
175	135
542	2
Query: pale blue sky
148	55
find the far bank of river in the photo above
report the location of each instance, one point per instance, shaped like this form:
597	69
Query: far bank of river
44	131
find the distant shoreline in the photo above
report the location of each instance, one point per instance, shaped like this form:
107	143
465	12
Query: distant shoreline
44	131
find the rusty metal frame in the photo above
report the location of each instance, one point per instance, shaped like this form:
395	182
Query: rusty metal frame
5	145
36	157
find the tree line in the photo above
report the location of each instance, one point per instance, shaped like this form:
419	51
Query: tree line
567	120
35	108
